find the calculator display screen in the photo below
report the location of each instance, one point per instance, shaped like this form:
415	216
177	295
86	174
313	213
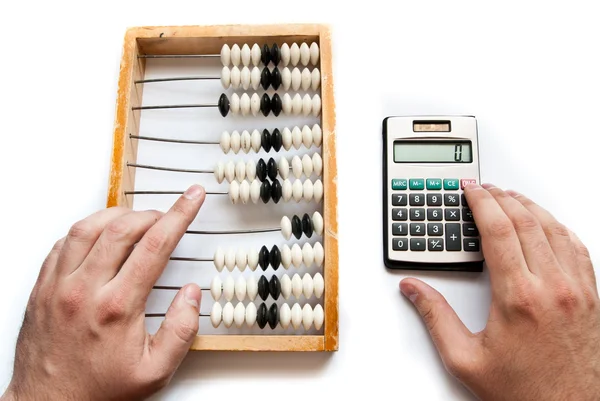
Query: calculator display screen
433	152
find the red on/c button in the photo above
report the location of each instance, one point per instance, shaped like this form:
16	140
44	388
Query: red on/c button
467	181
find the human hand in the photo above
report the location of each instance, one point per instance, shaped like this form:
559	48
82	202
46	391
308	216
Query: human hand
83	335
542	338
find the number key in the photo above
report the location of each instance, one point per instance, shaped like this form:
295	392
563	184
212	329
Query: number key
417	214
452	214
435	229
399	199
417	199
417	229
451	199
400	214
435	214
400	244
400	229
434	199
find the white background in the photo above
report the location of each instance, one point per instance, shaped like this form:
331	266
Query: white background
527	70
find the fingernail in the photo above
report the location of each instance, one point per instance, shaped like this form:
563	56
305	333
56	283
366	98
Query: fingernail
488	185
472	186
192	296
194	192
409	292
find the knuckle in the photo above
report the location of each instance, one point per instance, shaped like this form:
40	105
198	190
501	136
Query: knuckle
155	242
71	300
58	245
112	309
118	229
180	209
185	331
582	250
523	300
566	298
81	231
430	317
500	229
525	222
557	229
461	366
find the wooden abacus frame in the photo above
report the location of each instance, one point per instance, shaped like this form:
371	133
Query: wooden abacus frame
172	40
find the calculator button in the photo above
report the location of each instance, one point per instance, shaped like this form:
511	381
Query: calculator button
400	244
451	199
470	230
417	183
450	183
417	214
435	214
417	199
399	199
463	200
452	214
399	214
466	181
467	214
435	244
471	244
453	237
434	199
417	229
417	244
435	229
400	229
399	184
434	183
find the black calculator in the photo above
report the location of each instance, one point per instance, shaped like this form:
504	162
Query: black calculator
427	223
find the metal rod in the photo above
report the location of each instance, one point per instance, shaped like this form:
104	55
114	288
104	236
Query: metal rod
178	170
167	193
178	55
173	106
182	259
163	314
171	287
151	138
251	231
145	81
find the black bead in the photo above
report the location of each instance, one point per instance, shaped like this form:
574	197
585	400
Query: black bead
261	170
261	315
307	226
265	191
276	105
263	288
272	169
265	55
274	287
275	257
266	140
265	104
296	227
263	257
276	140
273	316
275	78
223	105
276	191
265	78
275	54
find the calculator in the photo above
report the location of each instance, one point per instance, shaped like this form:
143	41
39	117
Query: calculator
427	223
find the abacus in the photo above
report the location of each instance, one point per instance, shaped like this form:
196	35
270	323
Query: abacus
247	112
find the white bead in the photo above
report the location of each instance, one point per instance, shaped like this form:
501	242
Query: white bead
286	226
296	286
317	164
255	191
250	170
286	134
255	104
220	172
225	55
246	55
230	260
307	286
240	288
235	54
318	191
255	54
241	260
228	314
315	79
286	286
307	189
314	53
219	259
296	166
286	104
216	314
306	105
245	79
255	78
318	316
286	78
297	135
236	77
317	221
239	315
256	139
294	54
317	134
306	79
296	255
286	256
228	288
225	77
251	288
234	104
284	168
304	54
307	317
250	315
316	105
245	141
308	255
244	192
234	192
284	52
297	190
230	171
225	142
285	315
240	171
319	285
216	288
307	138
253	259
296	316
296	79
286	190
236	138
319	253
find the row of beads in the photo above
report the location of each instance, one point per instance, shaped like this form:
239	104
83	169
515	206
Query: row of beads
266	191
241	170
246	78
264	258
274	287
293	54
286	138
246	105
306	225
296	315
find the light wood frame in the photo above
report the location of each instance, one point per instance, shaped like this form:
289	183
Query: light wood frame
167	40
